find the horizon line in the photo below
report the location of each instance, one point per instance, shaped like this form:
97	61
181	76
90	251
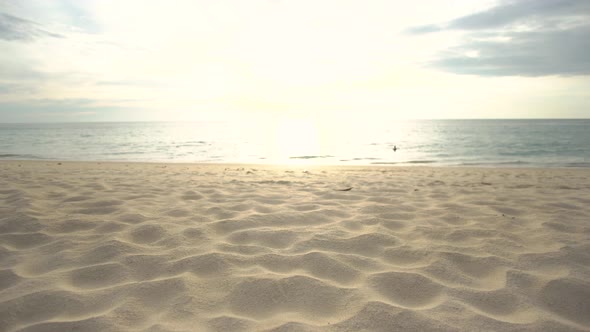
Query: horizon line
195	121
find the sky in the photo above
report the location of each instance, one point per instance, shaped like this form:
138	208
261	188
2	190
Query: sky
332	60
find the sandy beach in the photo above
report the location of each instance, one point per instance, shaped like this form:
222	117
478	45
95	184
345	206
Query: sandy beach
195	247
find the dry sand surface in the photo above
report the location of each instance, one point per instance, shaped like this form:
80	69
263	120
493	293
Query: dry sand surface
154	247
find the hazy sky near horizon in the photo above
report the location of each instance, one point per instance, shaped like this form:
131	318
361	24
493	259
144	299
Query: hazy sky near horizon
141	60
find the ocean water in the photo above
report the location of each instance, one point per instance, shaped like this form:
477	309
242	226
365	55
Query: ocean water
533	143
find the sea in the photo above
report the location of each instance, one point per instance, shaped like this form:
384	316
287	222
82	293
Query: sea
487	143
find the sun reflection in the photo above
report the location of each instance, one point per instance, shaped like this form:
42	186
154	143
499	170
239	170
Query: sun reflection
297	141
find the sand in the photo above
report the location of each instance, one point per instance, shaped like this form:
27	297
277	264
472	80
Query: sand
179	247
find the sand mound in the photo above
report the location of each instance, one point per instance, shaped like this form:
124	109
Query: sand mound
404	289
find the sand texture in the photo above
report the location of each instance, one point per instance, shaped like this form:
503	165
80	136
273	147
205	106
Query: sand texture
178	247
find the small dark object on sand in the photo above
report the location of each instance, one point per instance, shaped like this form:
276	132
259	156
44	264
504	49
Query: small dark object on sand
394	148
59	163
345	189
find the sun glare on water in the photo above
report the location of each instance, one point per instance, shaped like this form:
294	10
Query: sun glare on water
297	141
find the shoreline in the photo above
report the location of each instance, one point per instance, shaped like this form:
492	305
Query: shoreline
214	247
494	143
295	165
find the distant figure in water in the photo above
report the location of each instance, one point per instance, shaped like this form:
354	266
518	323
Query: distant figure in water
394	148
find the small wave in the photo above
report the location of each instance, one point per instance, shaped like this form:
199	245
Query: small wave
125	153
578	164
421	162
496	163
518	162
412	162
528	153
191	144
310	157
442	155
19	156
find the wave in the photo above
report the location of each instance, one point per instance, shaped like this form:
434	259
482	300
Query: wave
310	157
19	156
578	164
520	163
483	163
421	162
124	153
404	162
191	144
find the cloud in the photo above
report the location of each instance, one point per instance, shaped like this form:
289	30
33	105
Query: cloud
63	109
535	12
524	54
18	70
135	83
15	28
422	29
519	38
9	88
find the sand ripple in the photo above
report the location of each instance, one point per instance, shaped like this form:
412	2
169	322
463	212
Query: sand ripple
142	247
